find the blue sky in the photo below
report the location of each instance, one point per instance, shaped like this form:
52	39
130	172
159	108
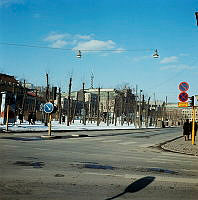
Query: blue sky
138	27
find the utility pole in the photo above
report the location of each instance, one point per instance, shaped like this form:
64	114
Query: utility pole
140	120
24	95
75	107
84	112
115	111
35	101
98	108
59	105
107	108
46	98
143	110
156	112
127	105
47	88
136	106
69	102
147	112
193	125
90	108
122	107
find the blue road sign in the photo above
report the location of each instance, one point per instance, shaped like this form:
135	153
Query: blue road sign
48	107
183	86
183	96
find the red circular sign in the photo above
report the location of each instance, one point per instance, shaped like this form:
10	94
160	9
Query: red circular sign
183	86
183	96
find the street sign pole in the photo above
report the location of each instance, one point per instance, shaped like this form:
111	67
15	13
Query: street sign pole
193	125
50	125
48	109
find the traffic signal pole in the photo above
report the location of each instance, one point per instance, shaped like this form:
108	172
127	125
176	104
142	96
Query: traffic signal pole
193	125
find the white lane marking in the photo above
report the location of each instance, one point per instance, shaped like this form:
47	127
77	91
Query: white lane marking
110	141
126	143
158	178
41	149
93	139
10	146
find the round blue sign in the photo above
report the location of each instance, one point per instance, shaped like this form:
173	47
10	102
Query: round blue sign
48	107
183	86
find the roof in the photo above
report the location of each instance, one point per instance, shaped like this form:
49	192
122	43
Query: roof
8	78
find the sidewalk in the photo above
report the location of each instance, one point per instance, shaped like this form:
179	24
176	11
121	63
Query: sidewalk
179	145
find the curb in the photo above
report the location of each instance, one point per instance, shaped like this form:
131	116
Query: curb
78	130
173	151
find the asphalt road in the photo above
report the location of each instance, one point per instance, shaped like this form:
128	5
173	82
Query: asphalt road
125	164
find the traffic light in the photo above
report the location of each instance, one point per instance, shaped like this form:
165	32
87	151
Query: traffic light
192	101
54	91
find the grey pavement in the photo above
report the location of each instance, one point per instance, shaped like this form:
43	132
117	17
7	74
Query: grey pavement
177	145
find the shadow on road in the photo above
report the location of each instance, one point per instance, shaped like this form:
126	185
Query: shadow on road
136	186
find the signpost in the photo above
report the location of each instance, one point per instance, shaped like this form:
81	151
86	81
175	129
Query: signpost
48	108
183	97
182	104
183	86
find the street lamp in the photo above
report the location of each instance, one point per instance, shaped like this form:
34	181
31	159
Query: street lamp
156	55
79	54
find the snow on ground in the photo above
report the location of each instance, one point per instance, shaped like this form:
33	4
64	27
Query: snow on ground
56	126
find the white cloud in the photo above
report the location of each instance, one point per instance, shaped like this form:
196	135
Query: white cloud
183	54
80	42
171	59
96	45
57	40
177	67
7	3
83	37
54	37
119	50
58	44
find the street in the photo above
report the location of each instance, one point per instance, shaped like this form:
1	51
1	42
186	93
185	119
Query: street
118	164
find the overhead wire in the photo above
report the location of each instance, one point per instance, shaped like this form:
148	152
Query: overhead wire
72	49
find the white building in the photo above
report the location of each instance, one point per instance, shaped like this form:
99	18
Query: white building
187	113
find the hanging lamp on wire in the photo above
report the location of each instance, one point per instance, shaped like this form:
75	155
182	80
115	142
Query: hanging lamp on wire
79	54
156	55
